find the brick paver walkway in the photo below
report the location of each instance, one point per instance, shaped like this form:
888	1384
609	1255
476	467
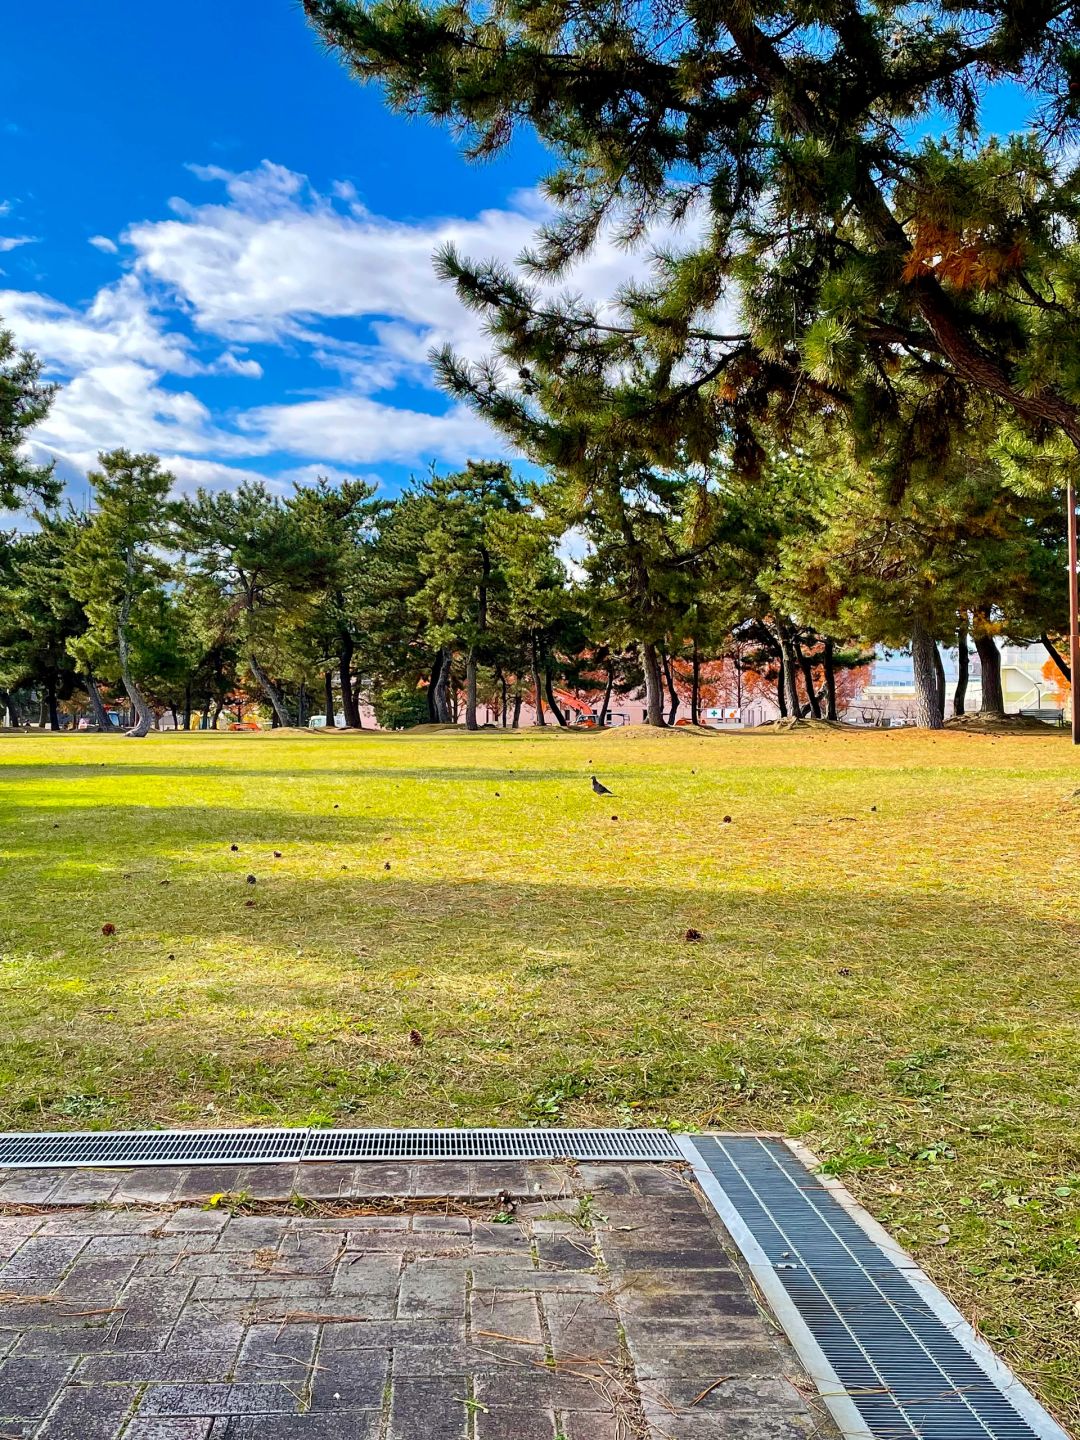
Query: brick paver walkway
595	1303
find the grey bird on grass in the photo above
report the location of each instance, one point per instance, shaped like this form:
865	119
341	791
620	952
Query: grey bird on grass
599	789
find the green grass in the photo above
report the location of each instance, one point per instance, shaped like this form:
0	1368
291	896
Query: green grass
899	985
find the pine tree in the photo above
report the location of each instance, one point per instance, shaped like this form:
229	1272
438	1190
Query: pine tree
116	567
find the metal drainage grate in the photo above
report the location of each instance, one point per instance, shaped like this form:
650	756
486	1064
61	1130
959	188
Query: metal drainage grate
230	1147
491	1145
908	1362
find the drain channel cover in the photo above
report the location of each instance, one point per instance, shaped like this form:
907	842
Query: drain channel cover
908	1363
250	1147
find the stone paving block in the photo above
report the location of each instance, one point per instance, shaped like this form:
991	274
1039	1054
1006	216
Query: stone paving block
96	1280
28	1385
750	1393
539	1388
29	1187
39	1264
350	1380
202	1181
393	1334
191	1367
349	1425
84	1338
489	1237
427	1362
192	1221
378	1181
428	1410
189	1428
320	1179
662	1179
581	1325
153	1303
149	1185
432	1287
370	1282
501	1423
675	1303
86	1187
514	1271
500	1319
606	1179
657	1281
454	1224
738	1425
362	1225
586	1425
267	1398
704	1362
266	1182
89	1412
210	1325
566	1252
253	1232
277	1352
441	1177
310	1252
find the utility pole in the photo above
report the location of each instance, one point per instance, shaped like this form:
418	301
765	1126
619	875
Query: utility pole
1074	614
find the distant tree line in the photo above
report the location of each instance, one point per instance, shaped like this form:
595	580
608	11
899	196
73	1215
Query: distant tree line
710	584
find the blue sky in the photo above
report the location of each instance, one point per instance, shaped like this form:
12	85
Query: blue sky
221	244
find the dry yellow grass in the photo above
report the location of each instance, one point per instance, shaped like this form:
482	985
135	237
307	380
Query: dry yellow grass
888	968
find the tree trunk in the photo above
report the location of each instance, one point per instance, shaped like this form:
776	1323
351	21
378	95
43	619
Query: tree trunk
605	705
695	685
789	670
143	718
654	685
433	681
442	687
357	688
301	713
534	659
328	702
515	719
219	705
993	700
807	668
829	664
501	676
781	693
1049	646
673	709
97	705
271	691
7	709
923	651
470	689
963	671
187	706
348	702
939	675
549	691
50	701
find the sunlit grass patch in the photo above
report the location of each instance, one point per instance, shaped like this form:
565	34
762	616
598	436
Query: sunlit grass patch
887	966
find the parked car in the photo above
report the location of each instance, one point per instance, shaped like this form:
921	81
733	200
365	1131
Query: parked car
244	725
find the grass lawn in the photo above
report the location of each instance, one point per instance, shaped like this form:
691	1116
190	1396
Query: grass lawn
889	964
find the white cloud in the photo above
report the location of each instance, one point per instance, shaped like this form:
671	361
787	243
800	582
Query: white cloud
348	296
12	242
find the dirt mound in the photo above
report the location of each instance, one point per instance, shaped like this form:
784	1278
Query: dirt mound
777	727
982	724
